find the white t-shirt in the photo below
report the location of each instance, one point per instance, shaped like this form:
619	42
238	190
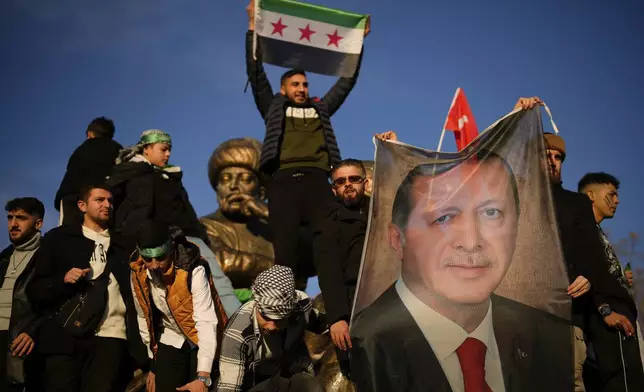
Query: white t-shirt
113	323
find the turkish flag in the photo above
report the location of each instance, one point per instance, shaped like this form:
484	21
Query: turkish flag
460	120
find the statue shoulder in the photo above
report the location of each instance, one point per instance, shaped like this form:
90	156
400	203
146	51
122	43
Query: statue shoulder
217	228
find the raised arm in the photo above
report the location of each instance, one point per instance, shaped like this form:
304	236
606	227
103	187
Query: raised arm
262	91
341	89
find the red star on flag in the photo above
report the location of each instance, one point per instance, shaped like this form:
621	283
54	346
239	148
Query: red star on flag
306	33
334	39
278	27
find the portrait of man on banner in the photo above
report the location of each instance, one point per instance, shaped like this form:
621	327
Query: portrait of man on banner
462	284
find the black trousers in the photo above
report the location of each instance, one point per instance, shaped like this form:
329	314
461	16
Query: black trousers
30	367
610	370
300	382
174	367
297	201
99	365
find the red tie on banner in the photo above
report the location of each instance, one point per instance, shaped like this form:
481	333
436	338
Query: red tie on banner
460	120
471	355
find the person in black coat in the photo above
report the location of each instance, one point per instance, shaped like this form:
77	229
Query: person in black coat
18	322
613	329
337	251
146	187
68	259
90	163
298	151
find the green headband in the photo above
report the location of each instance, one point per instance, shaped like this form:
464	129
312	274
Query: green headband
156	252
155	137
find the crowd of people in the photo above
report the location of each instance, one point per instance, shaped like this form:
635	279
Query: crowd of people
128	280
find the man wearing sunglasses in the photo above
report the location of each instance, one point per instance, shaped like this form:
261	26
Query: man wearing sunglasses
263	347
337	246
180	316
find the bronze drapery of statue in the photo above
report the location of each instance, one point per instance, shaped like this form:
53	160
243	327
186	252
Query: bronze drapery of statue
238	230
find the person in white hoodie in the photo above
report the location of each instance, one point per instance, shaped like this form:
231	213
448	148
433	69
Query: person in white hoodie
146	187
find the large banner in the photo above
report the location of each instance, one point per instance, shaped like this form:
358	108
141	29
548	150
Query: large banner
462	274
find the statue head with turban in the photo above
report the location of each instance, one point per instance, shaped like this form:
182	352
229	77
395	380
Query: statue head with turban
233	170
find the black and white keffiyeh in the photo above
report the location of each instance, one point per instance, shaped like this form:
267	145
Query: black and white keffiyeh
274	292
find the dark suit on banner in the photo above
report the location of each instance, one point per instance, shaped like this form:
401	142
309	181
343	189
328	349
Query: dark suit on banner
390	352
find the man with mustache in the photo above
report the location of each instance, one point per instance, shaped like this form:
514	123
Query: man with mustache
299	150
440	327
71	260
616	313
337	246
238	231
18	321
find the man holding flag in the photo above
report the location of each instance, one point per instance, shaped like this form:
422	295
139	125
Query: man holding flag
300	147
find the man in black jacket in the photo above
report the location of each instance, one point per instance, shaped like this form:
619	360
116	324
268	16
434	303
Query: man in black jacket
18	321
616	313
298	151
70	259
90	163
337	246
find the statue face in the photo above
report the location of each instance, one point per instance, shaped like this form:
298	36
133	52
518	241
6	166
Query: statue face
234	185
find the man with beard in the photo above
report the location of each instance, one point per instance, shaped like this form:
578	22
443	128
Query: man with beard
440	327
71	261
18	321
612	326
238	230
337	247
298	151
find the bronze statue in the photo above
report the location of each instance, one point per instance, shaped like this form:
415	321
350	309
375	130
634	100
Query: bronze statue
238	230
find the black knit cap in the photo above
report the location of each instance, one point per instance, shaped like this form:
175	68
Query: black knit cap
152	235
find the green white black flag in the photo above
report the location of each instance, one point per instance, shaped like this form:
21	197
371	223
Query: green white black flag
314	38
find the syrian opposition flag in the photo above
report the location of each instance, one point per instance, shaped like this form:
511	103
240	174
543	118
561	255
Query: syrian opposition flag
310	37
460	120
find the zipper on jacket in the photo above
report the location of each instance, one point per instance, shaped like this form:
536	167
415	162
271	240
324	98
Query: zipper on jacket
152	337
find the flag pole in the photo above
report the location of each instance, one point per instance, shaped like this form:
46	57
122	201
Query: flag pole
440	142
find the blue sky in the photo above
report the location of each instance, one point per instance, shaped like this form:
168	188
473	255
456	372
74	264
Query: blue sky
179	66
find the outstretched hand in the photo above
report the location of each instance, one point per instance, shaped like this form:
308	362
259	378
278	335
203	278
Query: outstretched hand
527	103
387	136
250	10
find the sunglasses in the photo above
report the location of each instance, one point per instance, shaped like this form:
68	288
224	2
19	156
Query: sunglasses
338	182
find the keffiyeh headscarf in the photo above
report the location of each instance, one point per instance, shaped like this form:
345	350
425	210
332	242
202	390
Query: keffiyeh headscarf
274	292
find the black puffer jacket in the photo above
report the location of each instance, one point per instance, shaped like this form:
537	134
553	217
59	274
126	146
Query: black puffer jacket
142	191
337	247
90	163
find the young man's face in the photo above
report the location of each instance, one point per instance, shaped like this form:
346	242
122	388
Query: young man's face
98	206
157	154
555	158
296	89
158	265
605	199
22	226
349	185
461	233
268	326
